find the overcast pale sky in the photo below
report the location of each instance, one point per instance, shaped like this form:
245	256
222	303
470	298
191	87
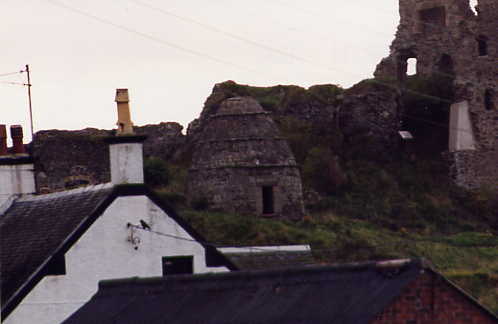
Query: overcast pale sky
170	53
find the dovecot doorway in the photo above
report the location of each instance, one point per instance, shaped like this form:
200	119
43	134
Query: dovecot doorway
268	200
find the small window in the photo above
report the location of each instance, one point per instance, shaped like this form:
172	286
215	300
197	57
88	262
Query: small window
268	201
489	99
411	68
482	45
433	19
178	265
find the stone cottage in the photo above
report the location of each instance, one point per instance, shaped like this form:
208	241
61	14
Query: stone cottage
447	38
242	164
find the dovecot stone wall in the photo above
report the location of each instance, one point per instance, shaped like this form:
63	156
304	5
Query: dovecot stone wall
242	164
447	38
67	159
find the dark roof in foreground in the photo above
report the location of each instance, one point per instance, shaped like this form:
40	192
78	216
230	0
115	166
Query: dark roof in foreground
348	294
36	230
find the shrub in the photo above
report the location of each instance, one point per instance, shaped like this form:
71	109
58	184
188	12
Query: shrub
156	172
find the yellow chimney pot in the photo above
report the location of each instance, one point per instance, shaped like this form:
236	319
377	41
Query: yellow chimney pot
125	125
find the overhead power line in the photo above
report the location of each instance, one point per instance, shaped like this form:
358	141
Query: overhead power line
13	83
229	34
10	73
220	31
148	36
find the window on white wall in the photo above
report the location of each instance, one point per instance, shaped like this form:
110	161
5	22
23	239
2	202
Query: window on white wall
173	265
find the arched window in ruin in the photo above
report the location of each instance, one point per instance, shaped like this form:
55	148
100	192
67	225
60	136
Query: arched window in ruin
489	99
411	66
482	45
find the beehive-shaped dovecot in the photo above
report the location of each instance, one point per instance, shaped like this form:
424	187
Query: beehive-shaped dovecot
242	164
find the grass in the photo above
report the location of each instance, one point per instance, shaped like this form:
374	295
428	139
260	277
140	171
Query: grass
469	259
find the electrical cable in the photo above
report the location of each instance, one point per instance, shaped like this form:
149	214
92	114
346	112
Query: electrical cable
269	48
11	73
148	36
13	83
219	245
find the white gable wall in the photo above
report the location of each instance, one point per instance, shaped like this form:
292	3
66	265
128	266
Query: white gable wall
105	251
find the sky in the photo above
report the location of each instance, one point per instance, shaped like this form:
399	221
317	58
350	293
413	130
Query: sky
171	53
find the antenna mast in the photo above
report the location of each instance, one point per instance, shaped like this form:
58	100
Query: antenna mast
29	99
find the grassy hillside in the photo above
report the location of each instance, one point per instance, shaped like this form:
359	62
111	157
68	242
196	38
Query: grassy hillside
361	206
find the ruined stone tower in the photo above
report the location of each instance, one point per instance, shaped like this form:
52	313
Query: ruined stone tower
241	164
447	38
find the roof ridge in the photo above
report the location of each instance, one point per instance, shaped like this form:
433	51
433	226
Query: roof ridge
222	276
65	193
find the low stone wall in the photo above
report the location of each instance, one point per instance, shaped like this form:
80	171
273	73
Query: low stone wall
473	169
66	159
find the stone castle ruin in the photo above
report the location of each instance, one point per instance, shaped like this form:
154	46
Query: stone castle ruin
242	164
447	38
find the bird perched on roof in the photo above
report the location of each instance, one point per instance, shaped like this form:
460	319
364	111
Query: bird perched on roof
145	226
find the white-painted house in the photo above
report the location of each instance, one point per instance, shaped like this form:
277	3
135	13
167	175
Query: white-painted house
55	248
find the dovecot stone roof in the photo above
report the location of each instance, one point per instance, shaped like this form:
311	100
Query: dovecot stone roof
37	230
238	152
348	294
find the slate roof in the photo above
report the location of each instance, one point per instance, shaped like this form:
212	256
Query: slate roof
37	230
349	294
267	260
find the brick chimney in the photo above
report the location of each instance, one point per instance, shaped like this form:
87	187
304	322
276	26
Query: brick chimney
17	135
3	140
17	168
125	149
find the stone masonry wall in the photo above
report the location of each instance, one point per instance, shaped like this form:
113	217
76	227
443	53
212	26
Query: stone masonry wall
238	155
65	159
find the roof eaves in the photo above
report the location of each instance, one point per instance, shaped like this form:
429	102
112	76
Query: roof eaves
10	304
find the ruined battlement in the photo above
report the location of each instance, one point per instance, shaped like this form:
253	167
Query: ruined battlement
448	39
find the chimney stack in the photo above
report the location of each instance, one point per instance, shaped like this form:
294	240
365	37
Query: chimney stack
126	149
17	135
16	169
3	140
125	126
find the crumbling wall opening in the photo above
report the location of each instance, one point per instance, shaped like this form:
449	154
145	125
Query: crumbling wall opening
489	100
482	45
407	64
473	5
432	20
